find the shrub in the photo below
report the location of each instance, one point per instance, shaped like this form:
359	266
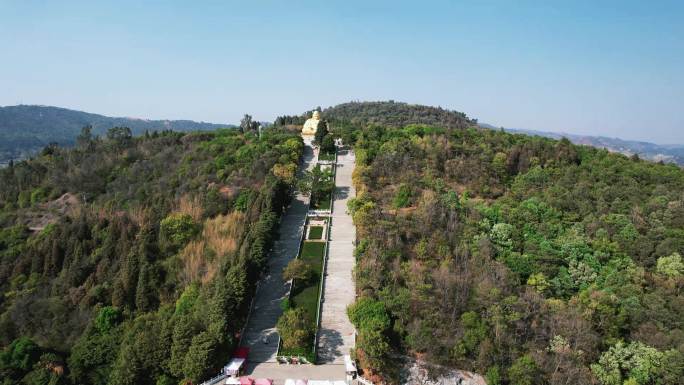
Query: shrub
670	266
20	355
403	196
524	371
328	144
39	195
297	269
107	318
372	321
176	230
295	328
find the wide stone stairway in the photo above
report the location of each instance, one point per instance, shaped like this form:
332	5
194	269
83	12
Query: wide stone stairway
336	334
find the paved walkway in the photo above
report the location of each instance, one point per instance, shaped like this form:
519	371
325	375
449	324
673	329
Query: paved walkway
279	373
261	335
336	335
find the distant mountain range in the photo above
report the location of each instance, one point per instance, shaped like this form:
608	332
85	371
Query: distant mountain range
668	153
25	129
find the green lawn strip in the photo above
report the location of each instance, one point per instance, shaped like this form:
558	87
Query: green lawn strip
306	294
326	156
316	232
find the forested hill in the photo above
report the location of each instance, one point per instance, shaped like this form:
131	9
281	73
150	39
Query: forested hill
529	260
25	129
669	153
132	260
395	114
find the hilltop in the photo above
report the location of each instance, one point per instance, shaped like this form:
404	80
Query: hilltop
396	114
25	129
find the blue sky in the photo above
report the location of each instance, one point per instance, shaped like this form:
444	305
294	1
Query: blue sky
613	68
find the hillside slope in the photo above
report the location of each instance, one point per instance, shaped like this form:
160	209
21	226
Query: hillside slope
132	260
526	259
25	129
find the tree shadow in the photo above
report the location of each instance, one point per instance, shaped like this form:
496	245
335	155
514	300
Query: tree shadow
329	345
341	193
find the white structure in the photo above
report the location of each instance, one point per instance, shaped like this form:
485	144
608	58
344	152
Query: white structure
234	367
349	368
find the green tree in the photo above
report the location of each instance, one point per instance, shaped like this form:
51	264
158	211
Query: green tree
176	230
321	132
144	352
199	360
328	144
247	124
47	371
18	357
185	327
121	136
670	266
403	196
372	321
635	361
85	138
501	234
107	318
294	327
297	269
524	371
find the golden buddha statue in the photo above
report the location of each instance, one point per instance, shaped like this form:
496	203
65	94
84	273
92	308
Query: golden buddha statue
311	124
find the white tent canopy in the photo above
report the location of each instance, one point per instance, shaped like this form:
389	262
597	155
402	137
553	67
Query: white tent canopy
234	366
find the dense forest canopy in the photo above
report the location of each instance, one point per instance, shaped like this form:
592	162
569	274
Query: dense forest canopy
131	260
529	260
395	114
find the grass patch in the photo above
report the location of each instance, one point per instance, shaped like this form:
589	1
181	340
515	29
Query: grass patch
326	156
322	203
307	299
316	232
305	293
313	250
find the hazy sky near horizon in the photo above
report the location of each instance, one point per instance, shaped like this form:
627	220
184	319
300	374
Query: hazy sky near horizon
613	68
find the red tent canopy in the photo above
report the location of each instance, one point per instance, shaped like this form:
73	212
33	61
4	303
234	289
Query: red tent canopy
246	381
241	352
